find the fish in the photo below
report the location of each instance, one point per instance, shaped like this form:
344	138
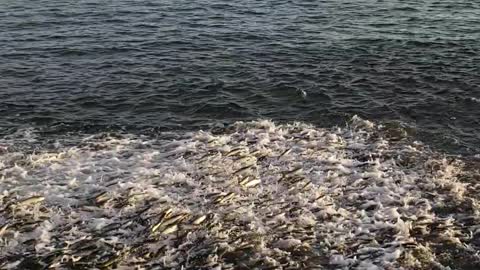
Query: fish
255	153
189	210
235	151
199	220
294	171
307	186
246	159
242	169
31	200
110	261
252	183
170	229
165	214
224	198
286	152
175	219
102	198
3	228
244	180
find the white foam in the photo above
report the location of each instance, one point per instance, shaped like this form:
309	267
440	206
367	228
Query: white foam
341	196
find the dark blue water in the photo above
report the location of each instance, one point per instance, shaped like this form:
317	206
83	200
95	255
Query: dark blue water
142	66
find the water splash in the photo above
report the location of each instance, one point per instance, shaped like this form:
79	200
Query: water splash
253	195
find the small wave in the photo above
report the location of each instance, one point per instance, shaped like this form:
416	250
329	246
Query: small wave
255	195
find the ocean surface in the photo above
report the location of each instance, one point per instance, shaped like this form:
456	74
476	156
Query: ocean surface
149	66
217	134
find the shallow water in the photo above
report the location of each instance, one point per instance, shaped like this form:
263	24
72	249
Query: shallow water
90	66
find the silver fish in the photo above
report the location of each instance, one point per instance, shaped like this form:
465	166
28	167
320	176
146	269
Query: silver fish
167	213
199	220
252	183
170	229
243	169
31	200
286	152
234	152
224	198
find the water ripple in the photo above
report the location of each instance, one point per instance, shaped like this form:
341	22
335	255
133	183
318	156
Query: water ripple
181	64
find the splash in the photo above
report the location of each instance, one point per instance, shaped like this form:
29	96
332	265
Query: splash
255	195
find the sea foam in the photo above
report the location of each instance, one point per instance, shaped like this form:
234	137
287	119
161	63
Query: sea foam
256	195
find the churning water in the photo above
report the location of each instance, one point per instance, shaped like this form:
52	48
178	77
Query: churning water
103	163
